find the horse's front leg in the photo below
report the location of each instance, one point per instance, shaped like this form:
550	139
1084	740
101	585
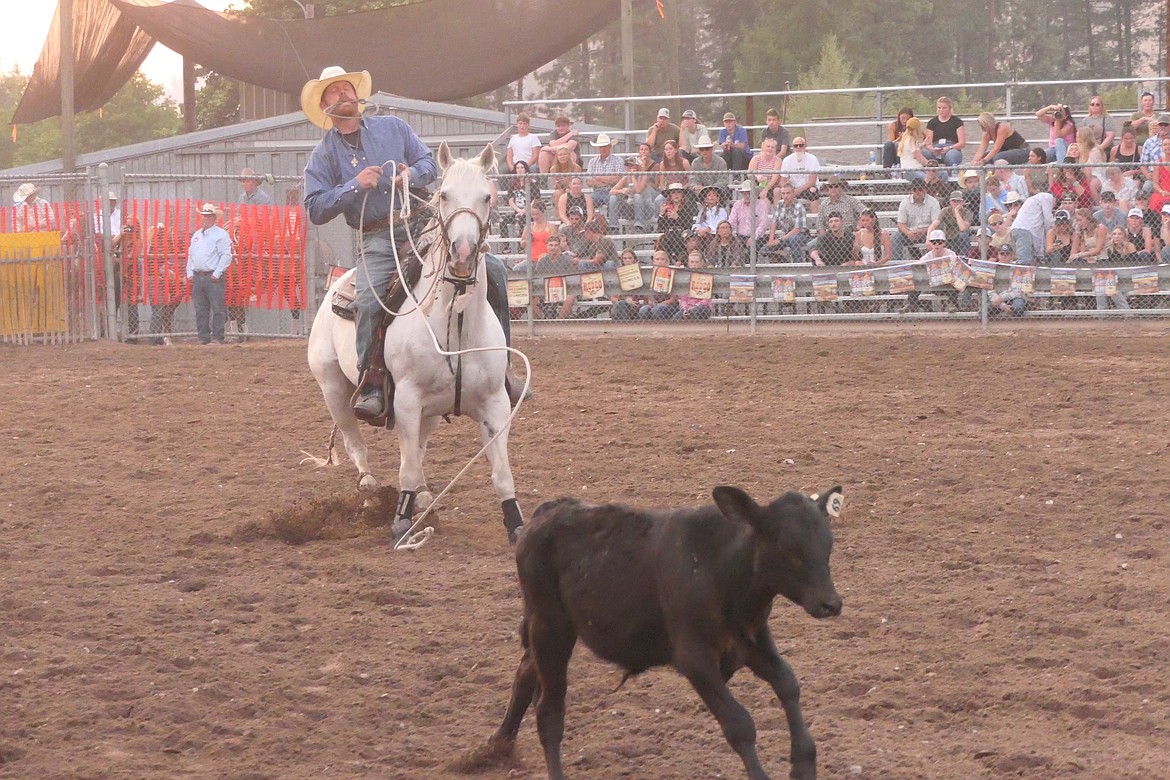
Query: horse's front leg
496	421
411	446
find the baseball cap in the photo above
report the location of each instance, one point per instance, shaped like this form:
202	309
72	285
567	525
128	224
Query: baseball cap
1006	249
576	210
956	195
1063	216
937	235
1136	213
1166	209
675	186
689	114
1013	197
729	116
1163	119
666	113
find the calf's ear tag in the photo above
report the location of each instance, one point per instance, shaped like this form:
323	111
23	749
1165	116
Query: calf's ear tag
834	503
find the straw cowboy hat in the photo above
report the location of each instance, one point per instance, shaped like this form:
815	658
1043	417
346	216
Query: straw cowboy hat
311	93
24	192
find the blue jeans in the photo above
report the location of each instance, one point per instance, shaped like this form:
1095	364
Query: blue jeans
951	159
1013	156
899	243
798	246
1025	244
210	309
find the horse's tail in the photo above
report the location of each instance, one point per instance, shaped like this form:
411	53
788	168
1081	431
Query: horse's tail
330	458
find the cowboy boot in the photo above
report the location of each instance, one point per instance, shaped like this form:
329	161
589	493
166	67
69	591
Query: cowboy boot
371	403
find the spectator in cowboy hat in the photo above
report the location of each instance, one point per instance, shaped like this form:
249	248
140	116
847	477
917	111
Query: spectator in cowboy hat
32	213
707	167
208	258
253	195
603	171
346	176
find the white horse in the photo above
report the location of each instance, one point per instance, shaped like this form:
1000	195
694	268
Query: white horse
453	306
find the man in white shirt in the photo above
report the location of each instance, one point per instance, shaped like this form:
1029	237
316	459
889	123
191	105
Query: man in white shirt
523	145
208	258
1031	224
799	170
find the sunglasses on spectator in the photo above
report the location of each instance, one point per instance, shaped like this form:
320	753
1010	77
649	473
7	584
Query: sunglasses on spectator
937	241
798	146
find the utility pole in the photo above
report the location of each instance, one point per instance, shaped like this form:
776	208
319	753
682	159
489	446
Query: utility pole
68	151
628	47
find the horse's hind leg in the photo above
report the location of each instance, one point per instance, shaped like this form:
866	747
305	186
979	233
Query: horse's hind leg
338	392
497	453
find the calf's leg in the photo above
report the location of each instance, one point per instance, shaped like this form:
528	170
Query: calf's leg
551	645
701	667
524	687
765	661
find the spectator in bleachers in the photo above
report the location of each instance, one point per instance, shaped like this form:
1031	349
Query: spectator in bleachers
1143	122
1087	153
1062	130
522	145
573	232
749	217
710	214
833	246
675	217
1012	204
1012	300
661	306
1128	150
558	259
837	201
936	186
1140	235
1118	251
693	308
574	198
789	226
1142	201
998	232
625	307
599	251
1059	238
776	132
915	215
1037	156
955	221
999	142
520	191
725	250
688	132
603	172
539	232
660	132
911	156
562	169
894	132
1103	126
1120	187
946	135
994	199
734	142
1009	180
1152	151
969	187
1164	233
31	213
1112	213
1089	237
871	244
1063	179
766	166
563	135
673	168
937	251
707	167
638	190
799	169
1160	179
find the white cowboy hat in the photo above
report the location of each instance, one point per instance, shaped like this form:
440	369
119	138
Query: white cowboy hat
311	93
704	142
602	140
24	192
209	210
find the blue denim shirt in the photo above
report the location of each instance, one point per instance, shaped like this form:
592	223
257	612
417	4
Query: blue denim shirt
331	176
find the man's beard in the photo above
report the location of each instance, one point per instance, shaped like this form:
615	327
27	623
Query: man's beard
344	109
798	155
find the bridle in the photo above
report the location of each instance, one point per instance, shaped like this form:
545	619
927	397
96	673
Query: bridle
461	282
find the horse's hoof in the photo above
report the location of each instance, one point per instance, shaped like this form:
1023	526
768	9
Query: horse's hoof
368	482
399	528
424	499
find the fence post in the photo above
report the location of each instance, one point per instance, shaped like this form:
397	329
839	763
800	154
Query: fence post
1008	100
880	101
111	307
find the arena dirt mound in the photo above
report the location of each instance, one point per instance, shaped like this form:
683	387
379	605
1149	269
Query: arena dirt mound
333	517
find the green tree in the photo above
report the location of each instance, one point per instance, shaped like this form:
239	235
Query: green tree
139	111
833	71
217	102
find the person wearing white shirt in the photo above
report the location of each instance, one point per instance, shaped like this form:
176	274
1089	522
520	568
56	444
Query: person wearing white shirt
1033	221
523	145
799	170
208	259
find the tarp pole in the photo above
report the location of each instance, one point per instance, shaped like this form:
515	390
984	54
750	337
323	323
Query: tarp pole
68	153
189	123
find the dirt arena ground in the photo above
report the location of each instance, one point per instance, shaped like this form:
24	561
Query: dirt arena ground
1002	556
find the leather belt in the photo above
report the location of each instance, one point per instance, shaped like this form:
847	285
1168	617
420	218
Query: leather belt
378	224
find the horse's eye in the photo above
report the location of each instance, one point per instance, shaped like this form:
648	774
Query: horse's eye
443	196
487	198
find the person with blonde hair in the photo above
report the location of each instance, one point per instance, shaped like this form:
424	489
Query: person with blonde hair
1103	126
910	148
1088	153
1000	142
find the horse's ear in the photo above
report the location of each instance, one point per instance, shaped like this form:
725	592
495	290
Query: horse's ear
444	157
487	159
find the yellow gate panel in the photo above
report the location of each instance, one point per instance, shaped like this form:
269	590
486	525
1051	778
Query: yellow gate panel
32	285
